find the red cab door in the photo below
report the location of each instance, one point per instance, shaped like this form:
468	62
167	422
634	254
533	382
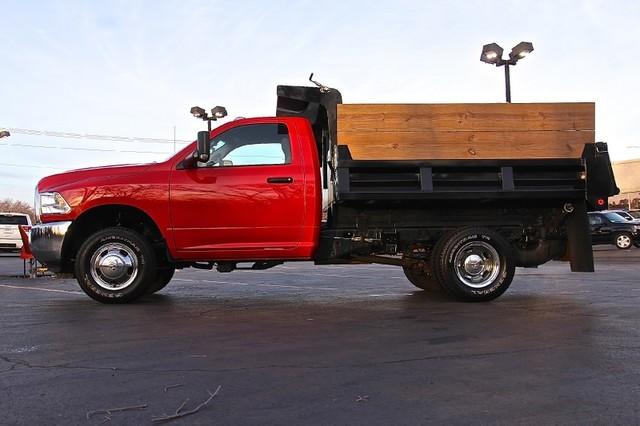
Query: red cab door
247	202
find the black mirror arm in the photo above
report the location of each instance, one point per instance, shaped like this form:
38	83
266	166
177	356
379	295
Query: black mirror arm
188	163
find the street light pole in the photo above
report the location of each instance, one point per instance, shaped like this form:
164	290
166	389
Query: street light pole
507	82
492	54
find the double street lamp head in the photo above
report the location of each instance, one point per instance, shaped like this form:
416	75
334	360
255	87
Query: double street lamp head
4	134
216	113
492	53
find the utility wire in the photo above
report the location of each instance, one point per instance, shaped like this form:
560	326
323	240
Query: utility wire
73	148
71	135
29	166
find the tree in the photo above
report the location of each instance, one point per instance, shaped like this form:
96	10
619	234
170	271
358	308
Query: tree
9	205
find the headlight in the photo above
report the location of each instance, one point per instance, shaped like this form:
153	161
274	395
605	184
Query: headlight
51	203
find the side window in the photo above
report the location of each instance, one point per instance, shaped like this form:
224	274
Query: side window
251	145
595	220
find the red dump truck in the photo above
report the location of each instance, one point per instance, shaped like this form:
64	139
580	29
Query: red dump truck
458	195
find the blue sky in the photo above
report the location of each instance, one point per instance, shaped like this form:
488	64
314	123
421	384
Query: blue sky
134	68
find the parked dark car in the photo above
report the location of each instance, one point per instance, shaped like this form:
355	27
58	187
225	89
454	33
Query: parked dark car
611	228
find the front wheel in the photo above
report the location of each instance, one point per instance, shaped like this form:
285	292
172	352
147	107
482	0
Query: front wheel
474	264
622	240
116	265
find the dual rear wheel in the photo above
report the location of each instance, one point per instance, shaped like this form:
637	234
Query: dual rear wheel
470	264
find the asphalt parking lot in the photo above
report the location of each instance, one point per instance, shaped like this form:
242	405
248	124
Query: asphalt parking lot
301	344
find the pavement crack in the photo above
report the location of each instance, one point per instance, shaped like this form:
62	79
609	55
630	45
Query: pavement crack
20	362
460	356
12	363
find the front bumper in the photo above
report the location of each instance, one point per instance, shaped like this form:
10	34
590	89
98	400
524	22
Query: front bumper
46	243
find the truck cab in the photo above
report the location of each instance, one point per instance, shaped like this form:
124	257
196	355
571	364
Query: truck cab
257	197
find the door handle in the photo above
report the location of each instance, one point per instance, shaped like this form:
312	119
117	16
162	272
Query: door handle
280	180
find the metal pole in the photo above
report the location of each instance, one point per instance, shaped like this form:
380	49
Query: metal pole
507	82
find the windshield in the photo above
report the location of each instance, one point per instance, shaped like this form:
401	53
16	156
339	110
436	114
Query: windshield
13	220
251	145
615	218
625	215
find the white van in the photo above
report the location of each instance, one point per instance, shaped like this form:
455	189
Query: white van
9	234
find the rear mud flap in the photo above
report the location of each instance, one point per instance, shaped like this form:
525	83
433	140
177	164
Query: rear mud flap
579	240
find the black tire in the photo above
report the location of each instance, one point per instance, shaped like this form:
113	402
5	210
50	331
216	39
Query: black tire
488	267
435	254
623	240
162	279
115	265
418	273
421	279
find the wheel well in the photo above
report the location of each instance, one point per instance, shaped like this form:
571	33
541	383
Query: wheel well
103	217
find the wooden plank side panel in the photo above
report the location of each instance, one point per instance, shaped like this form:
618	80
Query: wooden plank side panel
466	117
453	145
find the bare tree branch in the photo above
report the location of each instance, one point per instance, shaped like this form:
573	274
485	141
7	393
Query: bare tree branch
182	406
9	205
166	388
110	411
180	413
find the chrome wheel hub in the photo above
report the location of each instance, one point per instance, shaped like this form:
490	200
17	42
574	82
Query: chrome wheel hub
477	264
473	264
114	266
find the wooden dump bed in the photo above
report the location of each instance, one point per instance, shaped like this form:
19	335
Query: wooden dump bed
465	131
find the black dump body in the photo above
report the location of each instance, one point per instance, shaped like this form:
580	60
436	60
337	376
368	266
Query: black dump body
386	206
459	179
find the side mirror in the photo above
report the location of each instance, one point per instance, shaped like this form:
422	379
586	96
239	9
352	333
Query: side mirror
203	146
